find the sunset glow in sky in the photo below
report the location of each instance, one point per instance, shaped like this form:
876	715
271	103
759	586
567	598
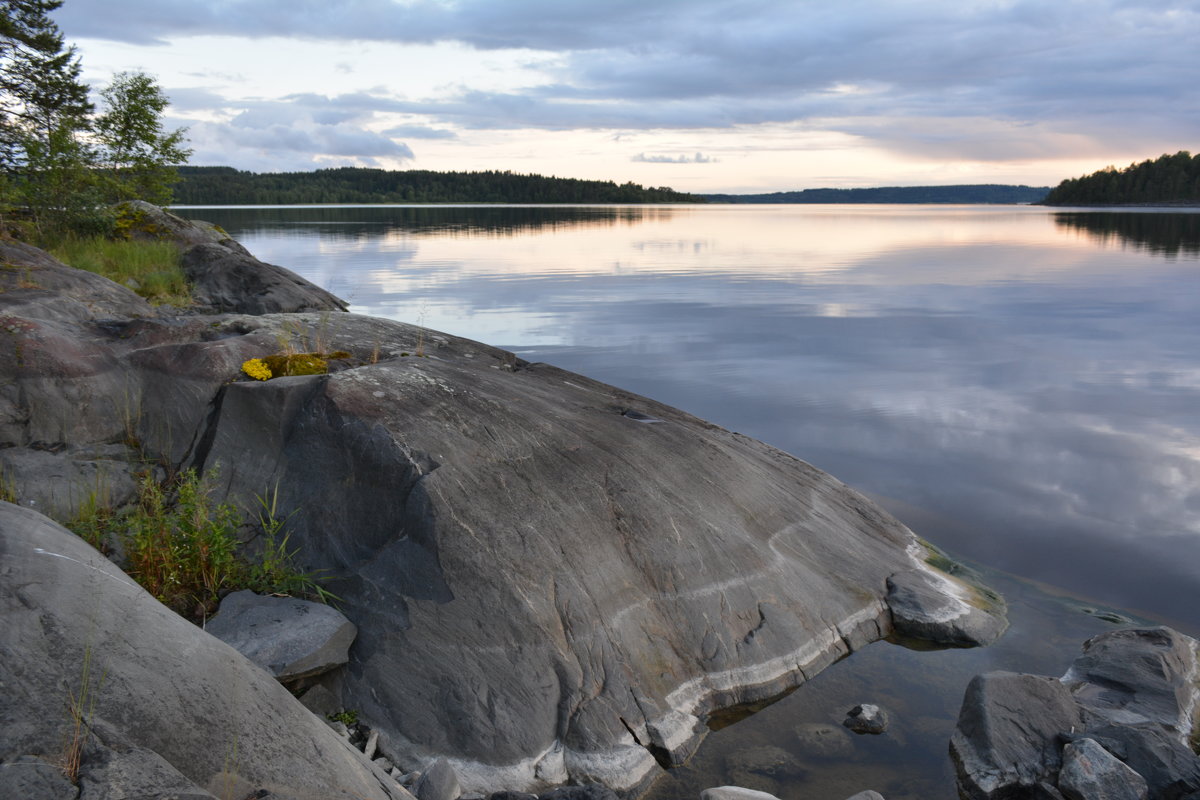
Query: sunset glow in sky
700	95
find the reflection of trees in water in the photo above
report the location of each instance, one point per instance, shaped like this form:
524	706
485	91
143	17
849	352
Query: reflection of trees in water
1165	234
356	222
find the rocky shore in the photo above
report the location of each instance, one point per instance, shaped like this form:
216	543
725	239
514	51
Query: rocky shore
542	580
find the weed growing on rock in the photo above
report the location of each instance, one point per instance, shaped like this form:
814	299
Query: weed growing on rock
184	549
151	269
81	703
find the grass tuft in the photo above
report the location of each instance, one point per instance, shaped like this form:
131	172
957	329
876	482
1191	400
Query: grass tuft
184	549
150	268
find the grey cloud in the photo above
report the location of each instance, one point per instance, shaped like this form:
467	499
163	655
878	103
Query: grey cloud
698	158
419	132
912	77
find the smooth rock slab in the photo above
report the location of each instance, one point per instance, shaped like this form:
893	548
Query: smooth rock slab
1089	772
288	637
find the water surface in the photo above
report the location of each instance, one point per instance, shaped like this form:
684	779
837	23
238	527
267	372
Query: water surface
1020	385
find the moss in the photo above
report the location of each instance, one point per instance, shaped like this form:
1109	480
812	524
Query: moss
297	364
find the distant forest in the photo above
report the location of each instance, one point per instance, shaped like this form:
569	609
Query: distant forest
977	193
228	186
1167	180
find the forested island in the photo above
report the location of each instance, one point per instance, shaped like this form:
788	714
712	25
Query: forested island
229	186
969	193
1166	180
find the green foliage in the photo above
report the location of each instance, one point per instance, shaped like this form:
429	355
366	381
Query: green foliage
225	185
59	167
138	157
183	547
150	268
969	193
1167	180
346	717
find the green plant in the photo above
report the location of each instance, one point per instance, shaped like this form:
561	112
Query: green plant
347	717
182	551
274	571
183	547
150	268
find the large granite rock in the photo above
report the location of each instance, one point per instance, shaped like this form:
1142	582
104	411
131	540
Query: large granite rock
1090	772
288	637
171	711
1007	738
546	587
581	587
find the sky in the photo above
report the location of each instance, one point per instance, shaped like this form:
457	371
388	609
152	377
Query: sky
701	95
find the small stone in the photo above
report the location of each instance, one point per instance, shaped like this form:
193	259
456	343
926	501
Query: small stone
384	764
511	795
869	794
339	727
866	718
409	778
735	793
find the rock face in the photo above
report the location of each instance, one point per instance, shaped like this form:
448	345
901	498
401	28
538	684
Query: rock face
225	280
1124	711
546	586
171	710
290	638
1007	734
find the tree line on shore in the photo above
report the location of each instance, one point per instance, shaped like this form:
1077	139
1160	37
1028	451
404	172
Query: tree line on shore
967	193
1168	179
228	186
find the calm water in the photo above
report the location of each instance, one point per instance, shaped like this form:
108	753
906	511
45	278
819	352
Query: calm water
1019	385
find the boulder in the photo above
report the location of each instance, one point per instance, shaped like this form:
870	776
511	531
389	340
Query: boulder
587	791
224	280
1170	768
168	708
1140	675
936	607
866	718
138	219
1007	737
870	794
1089	772
288	637
437	783
583	587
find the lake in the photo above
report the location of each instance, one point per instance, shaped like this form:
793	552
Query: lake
1020	385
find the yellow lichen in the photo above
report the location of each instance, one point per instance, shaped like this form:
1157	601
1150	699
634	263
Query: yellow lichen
256	368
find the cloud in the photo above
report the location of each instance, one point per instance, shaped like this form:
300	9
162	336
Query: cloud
698	158
908	77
